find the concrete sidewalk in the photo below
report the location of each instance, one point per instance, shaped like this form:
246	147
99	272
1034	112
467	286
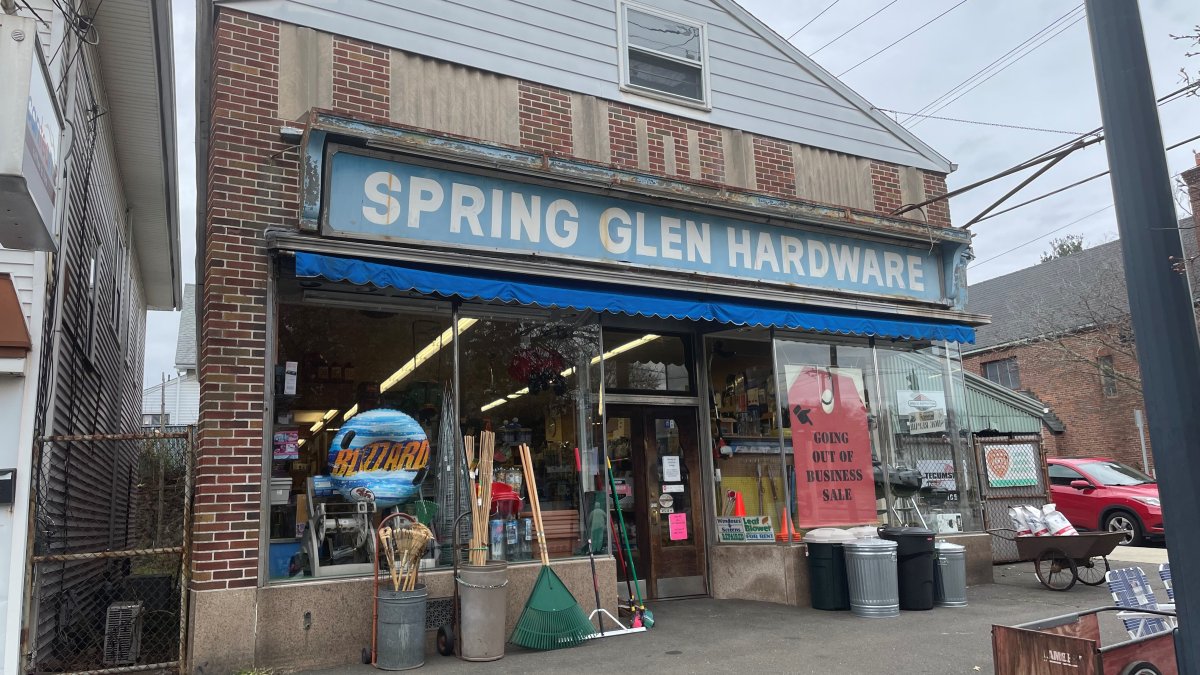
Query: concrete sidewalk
1154	555
706	636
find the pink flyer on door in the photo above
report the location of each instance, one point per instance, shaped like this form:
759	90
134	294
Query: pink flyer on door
678	525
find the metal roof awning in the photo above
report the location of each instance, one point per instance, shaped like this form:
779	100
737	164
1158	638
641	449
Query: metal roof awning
494	286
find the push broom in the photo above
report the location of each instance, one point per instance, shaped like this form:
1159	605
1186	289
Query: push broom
552	619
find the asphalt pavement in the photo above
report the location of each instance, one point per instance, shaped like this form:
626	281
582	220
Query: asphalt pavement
725	636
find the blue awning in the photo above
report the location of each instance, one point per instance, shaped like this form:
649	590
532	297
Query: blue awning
491	286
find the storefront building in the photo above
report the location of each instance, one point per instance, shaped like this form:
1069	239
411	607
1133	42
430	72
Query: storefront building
426	214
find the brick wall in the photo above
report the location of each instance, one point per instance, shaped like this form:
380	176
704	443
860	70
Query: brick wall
545	116
774	167
1096	425
885	184
361	78
623	122
937	213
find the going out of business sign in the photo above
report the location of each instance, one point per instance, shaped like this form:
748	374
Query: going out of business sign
382	199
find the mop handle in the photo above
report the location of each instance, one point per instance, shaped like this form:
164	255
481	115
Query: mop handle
612	481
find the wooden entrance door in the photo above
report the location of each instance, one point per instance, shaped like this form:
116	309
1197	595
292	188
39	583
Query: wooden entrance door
655	454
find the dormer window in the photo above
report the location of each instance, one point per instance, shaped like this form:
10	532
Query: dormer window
663	55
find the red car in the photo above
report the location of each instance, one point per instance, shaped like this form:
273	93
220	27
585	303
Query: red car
1100	494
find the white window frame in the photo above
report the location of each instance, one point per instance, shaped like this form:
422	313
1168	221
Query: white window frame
623	56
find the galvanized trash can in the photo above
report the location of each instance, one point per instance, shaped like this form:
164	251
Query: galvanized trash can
400	629
483	601
950	579
871	573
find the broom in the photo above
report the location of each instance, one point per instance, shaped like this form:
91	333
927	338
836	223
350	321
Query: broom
552	619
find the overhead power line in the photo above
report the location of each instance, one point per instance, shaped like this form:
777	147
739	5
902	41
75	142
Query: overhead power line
985	124
1006	66
1039	237
851	29
797	31
928	107
902	39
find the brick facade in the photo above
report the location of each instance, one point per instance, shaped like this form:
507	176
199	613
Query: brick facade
885	184
253	184
937	213
1096	425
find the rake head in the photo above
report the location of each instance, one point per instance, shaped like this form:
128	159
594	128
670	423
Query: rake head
552	619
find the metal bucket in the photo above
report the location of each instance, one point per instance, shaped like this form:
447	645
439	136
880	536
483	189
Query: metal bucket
871	575
483	606
400	629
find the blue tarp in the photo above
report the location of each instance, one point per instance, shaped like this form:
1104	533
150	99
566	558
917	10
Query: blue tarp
490	286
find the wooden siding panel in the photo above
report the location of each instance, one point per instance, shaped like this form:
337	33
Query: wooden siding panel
572	45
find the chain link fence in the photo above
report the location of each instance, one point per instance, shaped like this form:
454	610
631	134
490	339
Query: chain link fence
1012	472
110	553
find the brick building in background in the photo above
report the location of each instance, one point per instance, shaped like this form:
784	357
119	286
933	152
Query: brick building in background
1061	332
542	95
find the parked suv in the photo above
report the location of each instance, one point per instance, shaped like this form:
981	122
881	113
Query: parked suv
1100	494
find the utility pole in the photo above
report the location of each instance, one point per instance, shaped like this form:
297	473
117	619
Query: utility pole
1159	299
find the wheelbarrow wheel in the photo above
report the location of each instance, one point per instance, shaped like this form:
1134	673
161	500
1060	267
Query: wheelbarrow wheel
445	640
1055	570
1092	570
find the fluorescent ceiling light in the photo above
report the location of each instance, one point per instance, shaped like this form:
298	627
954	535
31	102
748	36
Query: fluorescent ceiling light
300	443
632	344
351	412
428	352
330	414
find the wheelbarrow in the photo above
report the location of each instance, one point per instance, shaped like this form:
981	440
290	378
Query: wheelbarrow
1060	561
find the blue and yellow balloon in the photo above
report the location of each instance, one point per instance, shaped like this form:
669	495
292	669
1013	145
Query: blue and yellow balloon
379	456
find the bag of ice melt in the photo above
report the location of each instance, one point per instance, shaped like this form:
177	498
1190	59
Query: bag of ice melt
1036	521
1057	523
1017	515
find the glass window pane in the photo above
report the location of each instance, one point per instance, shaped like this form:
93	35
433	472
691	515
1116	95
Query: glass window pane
924	396
664	35
1061	475
343	370
531	382
645	362
665	75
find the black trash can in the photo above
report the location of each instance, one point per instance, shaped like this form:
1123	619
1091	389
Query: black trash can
828	586
915	565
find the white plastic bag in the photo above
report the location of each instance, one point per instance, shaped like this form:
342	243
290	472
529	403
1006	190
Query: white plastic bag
1036	521
1056	522
1017	515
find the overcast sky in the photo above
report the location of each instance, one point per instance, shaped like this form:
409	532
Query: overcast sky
1053	87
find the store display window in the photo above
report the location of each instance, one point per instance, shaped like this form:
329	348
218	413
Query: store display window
364	423
647	363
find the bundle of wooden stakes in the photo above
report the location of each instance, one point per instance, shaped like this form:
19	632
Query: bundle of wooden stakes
404	548
481	490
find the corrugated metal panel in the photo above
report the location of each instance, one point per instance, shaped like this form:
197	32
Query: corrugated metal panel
759	83
430	94
833	178
989	412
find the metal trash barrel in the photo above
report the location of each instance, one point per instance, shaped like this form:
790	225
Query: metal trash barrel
483	600
400	628
871	575
827	568
950	576
915	566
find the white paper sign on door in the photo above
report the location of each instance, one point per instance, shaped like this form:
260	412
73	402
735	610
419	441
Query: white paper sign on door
671	469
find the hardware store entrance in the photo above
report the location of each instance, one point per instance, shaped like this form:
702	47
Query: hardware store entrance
655	457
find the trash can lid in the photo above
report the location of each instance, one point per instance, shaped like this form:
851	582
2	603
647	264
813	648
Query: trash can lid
829	535
865	531
872	544
947	546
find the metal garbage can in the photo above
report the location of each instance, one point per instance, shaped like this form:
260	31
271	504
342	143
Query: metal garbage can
871	576
827	568
400	629
950	578
864	532
914	557
483	600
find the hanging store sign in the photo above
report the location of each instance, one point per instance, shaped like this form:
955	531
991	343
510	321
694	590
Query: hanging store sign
831	446
369	197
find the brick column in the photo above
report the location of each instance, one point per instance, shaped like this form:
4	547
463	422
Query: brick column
937	213
251	185
545	119
885	186
362	78
774	167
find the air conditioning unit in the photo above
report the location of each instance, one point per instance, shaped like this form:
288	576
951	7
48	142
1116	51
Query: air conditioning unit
123	633
30	130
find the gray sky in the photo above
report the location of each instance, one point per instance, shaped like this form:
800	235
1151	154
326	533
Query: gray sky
1051	88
